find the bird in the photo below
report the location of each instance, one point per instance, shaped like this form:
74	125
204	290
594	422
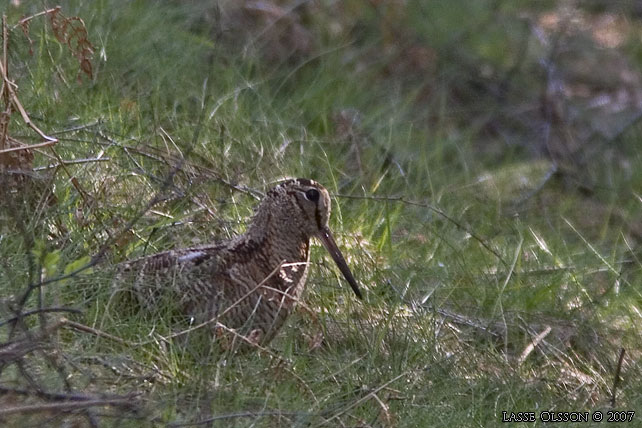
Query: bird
249	284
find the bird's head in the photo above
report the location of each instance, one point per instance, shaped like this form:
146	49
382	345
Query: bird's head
310	202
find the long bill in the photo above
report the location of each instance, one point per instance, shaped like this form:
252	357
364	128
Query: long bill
328	242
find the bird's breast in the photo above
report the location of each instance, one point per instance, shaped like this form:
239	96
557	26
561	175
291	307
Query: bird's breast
288	269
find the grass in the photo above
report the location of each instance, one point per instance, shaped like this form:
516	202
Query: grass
471	247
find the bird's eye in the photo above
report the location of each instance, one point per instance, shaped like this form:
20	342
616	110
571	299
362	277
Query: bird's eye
312	195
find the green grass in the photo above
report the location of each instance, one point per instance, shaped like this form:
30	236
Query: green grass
466	247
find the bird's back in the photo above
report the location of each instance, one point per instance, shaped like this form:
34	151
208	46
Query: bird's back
177	278
241	284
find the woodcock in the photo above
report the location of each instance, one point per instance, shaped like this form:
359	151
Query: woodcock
250	283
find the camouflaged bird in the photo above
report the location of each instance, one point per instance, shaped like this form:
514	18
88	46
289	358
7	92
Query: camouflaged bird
250	283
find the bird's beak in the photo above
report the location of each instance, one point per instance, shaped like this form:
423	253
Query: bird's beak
328	242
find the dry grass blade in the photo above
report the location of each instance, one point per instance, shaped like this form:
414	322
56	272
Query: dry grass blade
531	346
29	147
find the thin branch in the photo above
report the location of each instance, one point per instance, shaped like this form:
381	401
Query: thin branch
98	333
436	210
238	415
77	128
55	396
67	406
72	162
40	311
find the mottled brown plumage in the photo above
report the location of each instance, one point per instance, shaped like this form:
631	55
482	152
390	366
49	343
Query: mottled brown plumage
252	282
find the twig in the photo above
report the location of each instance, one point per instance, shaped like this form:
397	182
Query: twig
40	311
167	159
131	369
436	210
67	406
237	416
71	162
74	181
54	396
5	43
95	332
77	128
616	381
14	350
464	320
49	141
251	343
